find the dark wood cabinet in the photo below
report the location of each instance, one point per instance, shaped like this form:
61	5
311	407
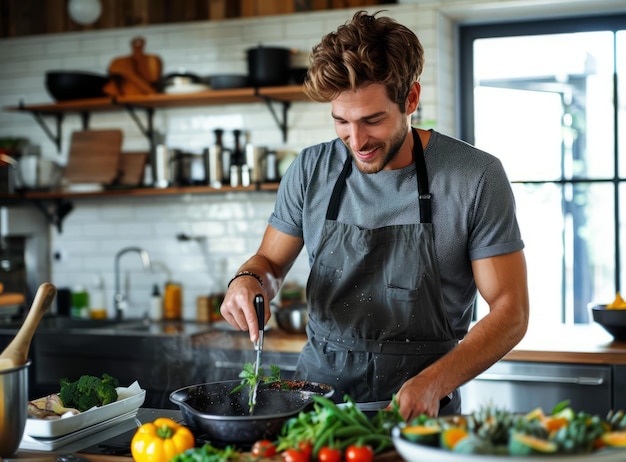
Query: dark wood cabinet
35	17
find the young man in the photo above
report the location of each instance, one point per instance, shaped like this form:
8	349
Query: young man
402	227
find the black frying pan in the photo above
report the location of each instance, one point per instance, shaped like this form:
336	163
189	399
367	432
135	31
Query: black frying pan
211	409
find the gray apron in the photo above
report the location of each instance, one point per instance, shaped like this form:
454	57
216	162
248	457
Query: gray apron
376	315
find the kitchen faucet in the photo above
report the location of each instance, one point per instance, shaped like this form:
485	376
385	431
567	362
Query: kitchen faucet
120	298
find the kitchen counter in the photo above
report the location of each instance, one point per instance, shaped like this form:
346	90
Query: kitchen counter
580	344
117	439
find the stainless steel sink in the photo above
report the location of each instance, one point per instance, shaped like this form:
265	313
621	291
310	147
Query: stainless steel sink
108	326
73	323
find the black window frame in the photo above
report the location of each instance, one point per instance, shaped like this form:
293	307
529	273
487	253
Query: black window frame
468	33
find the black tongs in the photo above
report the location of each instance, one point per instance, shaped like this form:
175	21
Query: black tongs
259	306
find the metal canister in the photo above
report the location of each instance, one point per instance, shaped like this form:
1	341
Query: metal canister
161	167
255	157
213	173
271	166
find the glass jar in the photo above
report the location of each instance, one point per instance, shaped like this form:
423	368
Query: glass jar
173	301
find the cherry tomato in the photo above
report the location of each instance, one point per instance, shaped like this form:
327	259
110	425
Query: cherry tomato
328	454
263	448
307	448
357	453
295	455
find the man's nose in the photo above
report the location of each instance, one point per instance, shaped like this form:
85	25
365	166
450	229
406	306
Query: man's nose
358	137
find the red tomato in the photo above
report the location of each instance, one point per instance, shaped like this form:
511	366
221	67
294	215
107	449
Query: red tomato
307	448
263	448
328	454
295	455
356	453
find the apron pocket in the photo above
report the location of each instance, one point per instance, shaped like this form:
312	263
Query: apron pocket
323	280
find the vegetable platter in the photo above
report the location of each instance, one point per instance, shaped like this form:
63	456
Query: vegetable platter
130	400
492	434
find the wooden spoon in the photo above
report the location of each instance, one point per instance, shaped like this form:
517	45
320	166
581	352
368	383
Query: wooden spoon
16	353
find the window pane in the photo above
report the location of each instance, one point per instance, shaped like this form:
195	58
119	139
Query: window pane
544	104
568	235
622	233
498	131
621	107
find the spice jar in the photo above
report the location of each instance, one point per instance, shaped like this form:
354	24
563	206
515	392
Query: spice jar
173	301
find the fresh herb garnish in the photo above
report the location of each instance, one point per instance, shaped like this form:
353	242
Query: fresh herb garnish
250	379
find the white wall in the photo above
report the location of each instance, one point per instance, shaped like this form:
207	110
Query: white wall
228	226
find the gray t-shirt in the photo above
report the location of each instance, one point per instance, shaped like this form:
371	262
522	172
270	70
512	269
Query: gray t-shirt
472	205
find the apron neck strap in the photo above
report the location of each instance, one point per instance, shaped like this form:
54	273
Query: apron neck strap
422	179
335	199
422	183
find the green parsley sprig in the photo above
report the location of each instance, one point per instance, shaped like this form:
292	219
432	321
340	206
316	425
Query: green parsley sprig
250	379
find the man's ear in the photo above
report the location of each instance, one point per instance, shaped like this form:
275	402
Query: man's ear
413	98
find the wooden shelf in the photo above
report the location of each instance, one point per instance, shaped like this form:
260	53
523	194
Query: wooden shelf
287	94
283	95
57	204
130	192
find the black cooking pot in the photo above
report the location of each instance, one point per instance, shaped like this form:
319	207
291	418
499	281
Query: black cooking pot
268	66
211	408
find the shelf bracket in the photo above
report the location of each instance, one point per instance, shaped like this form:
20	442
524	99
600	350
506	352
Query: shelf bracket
56	213
55	138
147	131
282	123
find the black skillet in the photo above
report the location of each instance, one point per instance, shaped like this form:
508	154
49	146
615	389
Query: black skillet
211	409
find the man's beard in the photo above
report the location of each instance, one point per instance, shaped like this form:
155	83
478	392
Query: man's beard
394	147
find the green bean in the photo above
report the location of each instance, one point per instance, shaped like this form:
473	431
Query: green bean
325	436
351	430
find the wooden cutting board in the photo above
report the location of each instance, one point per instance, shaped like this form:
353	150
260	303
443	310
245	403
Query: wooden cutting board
137	74
94	157
133	165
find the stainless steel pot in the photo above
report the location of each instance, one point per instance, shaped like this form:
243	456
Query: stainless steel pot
13	407
212	409
292	318
37	172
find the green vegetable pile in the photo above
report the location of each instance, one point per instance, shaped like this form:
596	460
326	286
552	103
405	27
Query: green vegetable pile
339	427
207	453
88	391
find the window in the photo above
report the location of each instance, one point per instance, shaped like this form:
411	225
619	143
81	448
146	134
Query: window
549	99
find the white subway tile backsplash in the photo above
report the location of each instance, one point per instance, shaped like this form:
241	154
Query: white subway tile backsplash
224	229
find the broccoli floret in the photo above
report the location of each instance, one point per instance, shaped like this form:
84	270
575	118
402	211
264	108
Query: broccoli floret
88	391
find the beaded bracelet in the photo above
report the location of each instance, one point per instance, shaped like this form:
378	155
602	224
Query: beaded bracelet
246	273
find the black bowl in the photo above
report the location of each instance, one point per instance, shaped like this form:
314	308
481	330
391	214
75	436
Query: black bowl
69	85
613	320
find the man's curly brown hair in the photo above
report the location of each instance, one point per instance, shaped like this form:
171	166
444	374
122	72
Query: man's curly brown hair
363	51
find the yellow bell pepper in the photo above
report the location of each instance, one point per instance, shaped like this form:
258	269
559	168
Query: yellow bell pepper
160	441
